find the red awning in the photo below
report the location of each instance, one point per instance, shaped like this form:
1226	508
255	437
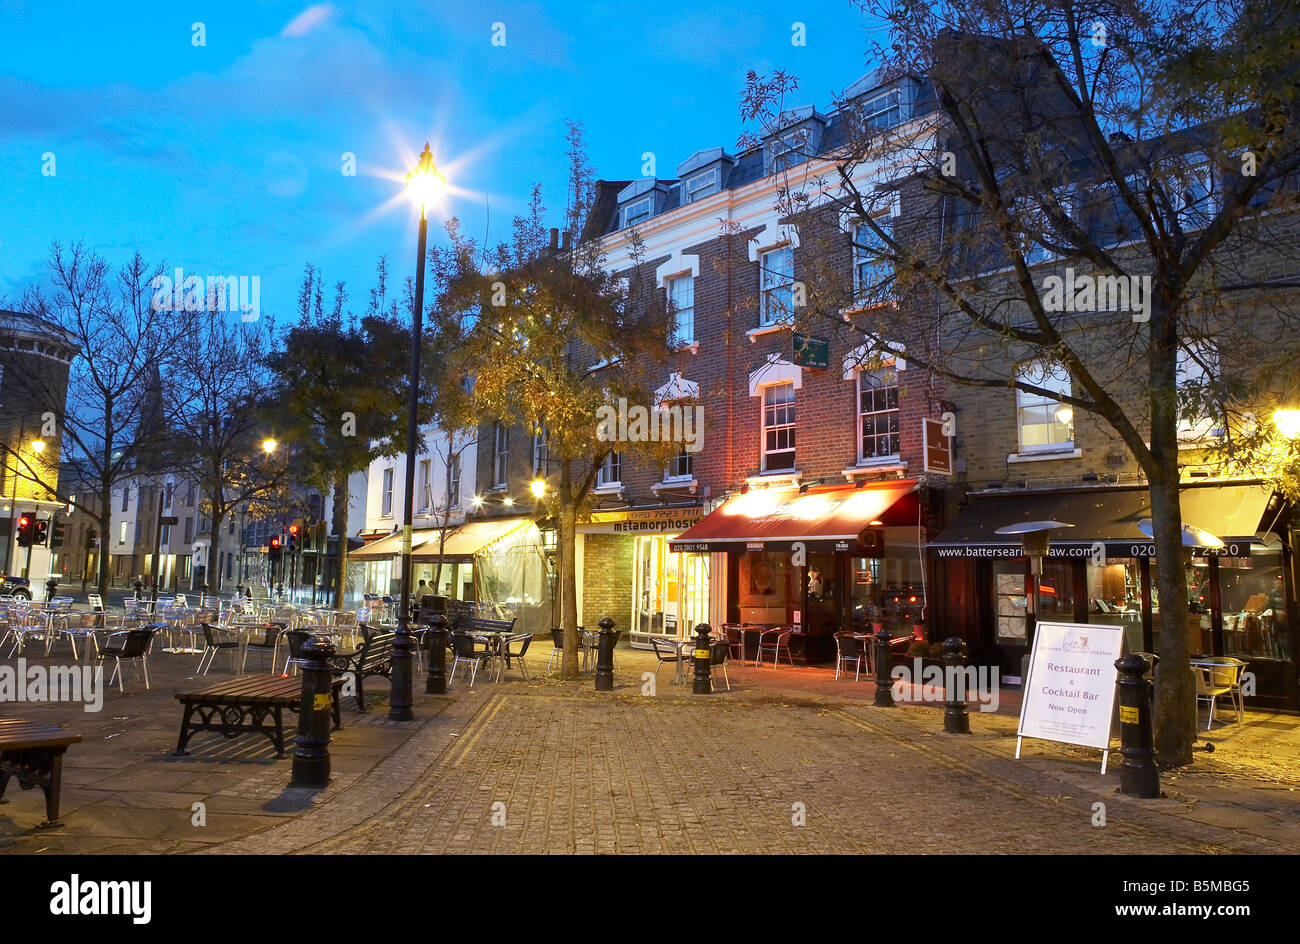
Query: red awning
826	518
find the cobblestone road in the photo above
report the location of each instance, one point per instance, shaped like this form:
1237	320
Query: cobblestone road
537	772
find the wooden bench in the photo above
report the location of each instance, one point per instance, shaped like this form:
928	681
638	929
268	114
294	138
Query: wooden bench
33	753
375	657
249	704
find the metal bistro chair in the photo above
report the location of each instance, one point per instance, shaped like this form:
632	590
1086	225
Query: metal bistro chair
507	653
83	627
773	640
296	638
270	644
735	641
848	648
665	652
1223	677
471	650
557	642
718	653
129	645
217	639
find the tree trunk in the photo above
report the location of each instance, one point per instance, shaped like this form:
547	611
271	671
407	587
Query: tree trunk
1175	691
568	572
101	565
342	500
218	516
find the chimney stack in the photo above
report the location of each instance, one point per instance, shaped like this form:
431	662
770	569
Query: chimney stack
564	241
555	237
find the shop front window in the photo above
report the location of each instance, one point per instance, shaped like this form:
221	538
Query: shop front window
887	593
1115	598
670	590
1254	605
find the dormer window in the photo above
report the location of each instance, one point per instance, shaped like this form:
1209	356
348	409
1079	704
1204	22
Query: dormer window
700	186
796	137
634	213
883	111
788	149
640	200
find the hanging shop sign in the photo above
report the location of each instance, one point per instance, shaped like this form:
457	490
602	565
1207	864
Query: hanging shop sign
938	447
811	351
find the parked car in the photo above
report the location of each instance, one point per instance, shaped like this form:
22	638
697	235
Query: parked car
19	587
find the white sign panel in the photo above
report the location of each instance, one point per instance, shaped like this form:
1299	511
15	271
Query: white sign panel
1070	689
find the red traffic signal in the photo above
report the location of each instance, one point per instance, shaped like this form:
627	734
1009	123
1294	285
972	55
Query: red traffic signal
25	531
42	531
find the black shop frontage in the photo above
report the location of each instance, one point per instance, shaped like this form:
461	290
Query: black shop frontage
1241	596
817	560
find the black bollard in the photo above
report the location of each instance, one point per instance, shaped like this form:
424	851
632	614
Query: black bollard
50	584
1138	774
956	715
884	665
435	683
311	752
605	656
702	685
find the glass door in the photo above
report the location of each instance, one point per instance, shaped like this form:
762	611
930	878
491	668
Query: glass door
670	591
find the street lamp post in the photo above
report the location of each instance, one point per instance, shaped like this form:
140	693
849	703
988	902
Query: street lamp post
422	182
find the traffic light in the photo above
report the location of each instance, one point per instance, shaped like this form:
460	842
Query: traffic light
295	531
41	532
25	530
59	534
274	551
320	539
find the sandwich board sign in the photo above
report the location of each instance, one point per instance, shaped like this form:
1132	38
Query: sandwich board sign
1070	687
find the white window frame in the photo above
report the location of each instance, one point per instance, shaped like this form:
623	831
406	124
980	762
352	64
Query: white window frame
693	190
681	338
770	283
541	451
453	500
500	456
610	473
869	116
426	489
889	215
386	493
889	381
1190	371
791	426
121	534
1040	375
689	474
783	145
633	210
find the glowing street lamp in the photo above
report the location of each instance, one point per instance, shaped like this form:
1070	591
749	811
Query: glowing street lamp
38	446
268	445
1287	422
423	183
538	488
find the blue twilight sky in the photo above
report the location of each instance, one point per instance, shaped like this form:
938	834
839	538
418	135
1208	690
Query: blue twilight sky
226	158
